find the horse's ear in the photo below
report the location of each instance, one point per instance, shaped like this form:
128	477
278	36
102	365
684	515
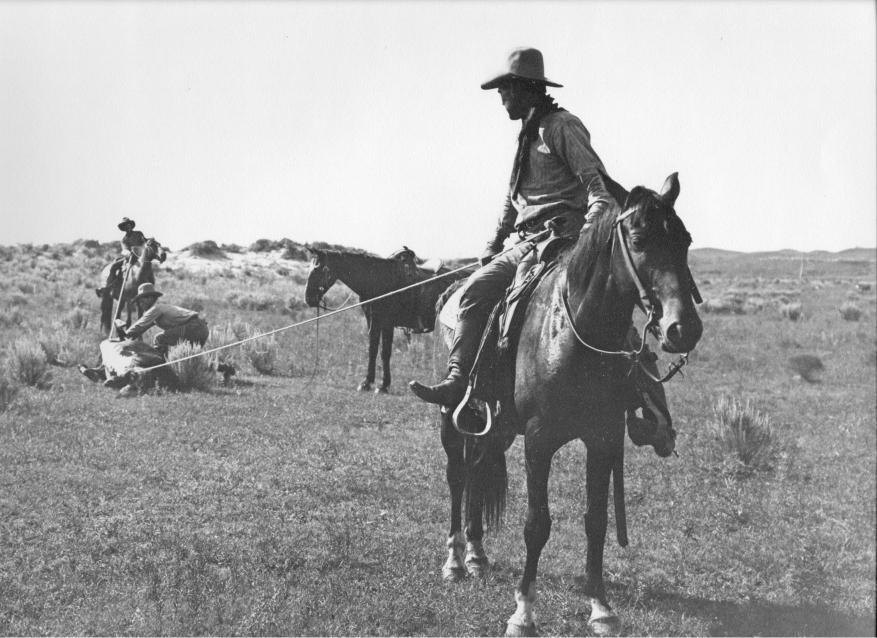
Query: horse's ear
670	190
618	192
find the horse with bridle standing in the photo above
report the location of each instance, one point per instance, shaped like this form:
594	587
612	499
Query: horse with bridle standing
567	380
368	277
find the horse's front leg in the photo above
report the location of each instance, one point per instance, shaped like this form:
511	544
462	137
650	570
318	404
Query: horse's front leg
537	529
454	568
386	351
374	336
603	621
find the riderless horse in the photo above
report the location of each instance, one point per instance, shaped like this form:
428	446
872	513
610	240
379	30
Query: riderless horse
567	380
368	277
136	270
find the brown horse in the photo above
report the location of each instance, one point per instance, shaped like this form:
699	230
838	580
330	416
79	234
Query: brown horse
134	272
369	276
567	380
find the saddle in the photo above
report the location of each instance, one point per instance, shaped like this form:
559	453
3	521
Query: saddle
495	359
414	263
414	269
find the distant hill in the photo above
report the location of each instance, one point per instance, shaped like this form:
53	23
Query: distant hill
786	263
715	262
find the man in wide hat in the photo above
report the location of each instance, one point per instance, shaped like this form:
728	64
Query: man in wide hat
133	246
556	177
177	324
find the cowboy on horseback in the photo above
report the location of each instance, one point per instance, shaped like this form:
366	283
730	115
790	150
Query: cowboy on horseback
556	184
134	246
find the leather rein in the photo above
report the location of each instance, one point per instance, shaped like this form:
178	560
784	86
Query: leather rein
645	302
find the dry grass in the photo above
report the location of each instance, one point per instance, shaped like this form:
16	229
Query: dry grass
742	432
296	506
850	312
807	366
8	390
262	354
78	319
26	363
197	373
791	311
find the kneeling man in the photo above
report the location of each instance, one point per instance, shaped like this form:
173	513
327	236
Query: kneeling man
178	324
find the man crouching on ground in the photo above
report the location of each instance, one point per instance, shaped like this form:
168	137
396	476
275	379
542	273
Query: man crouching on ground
178	324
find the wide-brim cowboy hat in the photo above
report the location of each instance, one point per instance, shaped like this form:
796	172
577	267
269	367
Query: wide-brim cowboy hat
126	224
523	64
147	290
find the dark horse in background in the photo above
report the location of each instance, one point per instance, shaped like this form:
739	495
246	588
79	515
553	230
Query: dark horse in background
369	277
556	387
135	271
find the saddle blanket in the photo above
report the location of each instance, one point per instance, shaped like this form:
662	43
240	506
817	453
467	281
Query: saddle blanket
448	315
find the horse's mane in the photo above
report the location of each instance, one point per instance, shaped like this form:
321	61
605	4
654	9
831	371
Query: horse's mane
582	257
380	266
349	253
363	258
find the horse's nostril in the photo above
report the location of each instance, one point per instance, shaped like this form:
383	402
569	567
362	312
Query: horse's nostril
682	335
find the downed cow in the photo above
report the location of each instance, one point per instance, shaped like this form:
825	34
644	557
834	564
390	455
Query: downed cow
130	366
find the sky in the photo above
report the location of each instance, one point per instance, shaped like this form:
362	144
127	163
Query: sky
364	124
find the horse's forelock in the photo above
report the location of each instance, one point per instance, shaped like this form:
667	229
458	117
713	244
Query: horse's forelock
647	203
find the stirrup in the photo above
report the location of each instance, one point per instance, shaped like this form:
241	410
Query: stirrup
464	404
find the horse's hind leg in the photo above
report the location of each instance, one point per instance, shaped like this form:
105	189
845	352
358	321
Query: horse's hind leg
454	568
487	483
386	351
374	337
476	559
603	620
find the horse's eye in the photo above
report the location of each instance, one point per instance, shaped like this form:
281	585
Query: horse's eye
638	241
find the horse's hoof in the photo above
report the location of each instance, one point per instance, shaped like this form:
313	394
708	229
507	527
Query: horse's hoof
382	390
365	386
514	630
605	626
453	574
478	567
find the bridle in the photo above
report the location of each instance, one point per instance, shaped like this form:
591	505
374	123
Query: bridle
646	302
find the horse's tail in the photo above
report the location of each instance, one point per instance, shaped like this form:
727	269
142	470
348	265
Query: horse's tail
106	313
486	478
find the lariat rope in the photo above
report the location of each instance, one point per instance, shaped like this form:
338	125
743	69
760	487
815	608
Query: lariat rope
338	311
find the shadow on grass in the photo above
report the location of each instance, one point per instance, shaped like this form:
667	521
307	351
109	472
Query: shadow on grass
726	618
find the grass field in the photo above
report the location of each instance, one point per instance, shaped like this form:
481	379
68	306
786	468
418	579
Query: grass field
287	503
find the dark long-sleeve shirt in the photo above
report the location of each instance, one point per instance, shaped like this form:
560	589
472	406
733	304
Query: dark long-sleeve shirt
563	174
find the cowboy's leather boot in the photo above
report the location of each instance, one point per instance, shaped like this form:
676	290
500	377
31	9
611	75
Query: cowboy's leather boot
451	390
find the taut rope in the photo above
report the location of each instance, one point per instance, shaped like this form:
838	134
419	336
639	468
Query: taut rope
317	318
